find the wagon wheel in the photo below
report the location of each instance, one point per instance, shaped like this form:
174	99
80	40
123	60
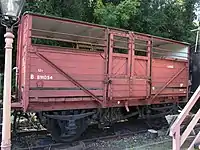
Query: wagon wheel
57	134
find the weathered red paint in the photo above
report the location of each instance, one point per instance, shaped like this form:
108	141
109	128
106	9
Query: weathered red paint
108	78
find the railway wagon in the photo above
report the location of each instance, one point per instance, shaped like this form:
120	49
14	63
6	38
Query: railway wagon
75	73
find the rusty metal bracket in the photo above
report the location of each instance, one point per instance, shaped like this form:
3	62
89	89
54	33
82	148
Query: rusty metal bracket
69	117
168	82
69	77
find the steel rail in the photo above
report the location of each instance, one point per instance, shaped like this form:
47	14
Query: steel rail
83	142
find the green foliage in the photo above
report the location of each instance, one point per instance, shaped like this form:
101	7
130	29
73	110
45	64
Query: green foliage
115	15
166	18
74	9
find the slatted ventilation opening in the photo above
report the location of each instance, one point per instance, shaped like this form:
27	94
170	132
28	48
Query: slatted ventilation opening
120	44
52	32
140	47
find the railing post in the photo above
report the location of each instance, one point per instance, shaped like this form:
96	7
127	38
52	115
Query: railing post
196	140
175	128
190	127
176	139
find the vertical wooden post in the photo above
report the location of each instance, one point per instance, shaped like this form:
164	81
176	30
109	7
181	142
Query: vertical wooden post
148	68
110	62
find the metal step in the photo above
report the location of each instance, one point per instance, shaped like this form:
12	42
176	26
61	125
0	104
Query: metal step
172	118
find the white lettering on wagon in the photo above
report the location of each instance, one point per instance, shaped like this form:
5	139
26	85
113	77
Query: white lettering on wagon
32	76
41	77
44	77
40	70
170	66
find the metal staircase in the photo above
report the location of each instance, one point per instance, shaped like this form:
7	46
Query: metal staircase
178	138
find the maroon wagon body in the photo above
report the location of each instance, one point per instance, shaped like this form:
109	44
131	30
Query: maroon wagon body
96	67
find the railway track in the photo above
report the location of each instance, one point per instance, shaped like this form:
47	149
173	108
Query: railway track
30	132
81	144
118	131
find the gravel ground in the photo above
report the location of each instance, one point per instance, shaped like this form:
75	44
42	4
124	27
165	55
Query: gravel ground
142	141
136	142
30	141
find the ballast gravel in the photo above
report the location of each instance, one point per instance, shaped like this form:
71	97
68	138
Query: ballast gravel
142	141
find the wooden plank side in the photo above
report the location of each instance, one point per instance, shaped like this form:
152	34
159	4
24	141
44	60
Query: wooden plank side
163	70
87	69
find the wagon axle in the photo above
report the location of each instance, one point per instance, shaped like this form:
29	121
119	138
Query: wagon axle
66	126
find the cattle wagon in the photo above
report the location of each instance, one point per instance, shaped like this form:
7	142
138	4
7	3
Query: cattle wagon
75	73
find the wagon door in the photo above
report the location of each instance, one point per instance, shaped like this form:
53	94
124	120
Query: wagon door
119	65
141	64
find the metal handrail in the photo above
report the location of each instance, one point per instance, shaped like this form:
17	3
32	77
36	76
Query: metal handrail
178	139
